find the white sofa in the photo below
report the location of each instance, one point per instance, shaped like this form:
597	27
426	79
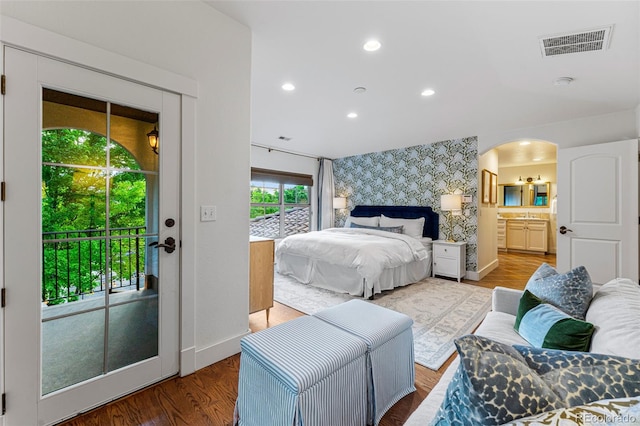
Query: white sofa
614	310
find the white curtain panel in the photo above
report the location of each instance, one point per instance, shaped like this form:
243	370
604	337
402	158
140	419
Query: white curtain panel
326	214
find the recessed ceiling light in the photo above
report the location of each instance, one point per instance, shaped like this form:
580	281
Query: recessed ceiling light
352	115
525	143
372	45
428	92
288	87
563	81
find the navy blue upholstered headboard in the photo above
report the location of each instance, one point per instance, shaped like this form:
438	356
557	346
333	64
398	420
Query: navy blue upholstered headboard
431	219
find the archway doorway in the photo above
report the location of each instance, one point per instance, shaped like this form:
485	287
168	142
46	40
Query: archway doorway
527	188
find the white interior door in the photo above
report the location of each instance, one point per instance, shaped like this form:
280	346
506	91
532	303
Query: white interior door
598	210
89	261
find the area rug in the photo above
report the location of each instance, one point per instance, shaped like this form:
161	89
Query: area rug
441	310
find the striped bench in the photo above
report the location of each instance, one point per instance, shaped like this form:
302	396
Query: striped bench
302	372
389	339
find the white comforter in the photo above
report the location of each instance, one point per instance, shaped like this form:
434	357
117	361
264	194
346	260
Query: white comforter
369	251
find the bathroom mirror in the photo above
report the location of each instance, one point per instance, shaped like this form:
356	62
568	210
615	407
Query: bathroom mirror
527	195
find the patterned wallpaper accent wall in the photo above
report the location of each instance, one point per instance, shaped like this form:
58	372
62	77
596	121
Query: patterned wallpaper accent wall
416	176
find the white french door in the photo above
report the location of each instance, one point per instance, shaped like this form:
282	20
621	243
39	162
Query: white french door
91	228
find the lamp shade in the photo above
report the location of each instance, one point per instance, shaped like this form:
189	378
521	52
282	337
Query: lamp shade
450	202
339	202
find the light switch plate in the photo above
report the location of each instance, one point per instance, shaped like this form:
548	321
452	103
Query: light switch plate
467	198
207	213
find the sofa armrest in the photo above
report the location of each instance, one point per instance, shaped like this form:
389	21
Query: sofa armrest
506	300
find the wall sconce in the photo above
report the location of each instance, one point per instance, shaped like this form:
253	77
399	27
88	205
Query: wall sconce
339	203
519	181
153	139
450	203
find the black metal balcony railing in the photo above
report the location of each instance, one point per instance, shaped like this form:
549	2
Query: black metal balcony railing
75	263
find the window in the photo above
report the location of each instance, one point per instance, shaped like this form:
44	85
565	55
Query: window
280	203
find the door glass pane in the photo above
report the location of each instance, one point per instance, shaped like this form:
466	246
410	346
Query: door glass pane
72	346
99	212
133	225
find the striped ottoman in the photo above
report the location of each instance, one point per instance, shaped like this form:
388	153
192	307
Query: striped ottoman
302	372
389	340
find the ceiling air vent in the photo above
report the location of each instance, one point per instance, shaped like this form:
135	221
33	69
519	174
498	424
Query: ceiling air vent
583	41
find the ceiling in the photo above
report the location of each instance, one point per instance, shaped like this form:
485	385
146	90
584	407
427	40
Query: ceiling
482	58
526	152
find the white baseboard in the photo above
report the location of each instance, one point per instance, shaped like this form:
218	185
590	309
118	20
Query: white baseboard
471	275
484	271
218	351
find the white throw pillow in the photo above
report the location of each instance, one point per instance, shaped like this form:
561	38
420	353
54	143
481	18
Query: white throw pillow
365	221
614	310
412	227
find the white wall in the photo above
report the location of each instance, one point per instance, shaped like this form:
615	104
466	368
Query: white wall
286	162
487	223
583	131
194	40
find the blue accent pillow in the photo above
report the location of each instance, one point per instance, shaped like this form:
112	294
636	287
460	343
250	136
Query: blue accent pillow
493	385
570	292
545	326
394	229
496	383
580	378
355	225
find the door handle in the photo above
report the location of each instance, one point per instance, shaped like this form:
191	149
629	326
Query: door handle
563	230
169	245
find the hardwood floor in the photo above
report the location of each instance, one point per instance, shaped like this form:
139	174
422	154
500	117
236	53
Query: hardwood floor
207	397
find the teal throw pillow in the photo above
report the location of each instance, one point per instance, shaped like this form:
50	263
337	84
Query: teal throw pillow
545	326
571	292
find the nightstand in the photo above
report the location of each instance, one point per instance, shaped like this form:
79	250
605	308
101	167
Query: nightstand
449	259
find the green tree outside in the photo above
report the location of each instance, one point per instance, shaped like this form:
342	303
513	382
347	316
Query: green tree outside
74	185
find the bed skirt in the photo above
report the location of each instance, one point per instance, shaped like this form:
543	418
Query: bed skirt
342	279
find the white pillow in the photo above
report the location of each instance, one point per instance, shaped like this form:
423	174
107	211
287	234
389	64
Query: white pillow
412	227
614	310
364	221
426	242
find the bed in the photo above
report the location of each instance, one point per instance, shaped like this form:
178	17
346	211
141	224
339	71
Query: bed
380	248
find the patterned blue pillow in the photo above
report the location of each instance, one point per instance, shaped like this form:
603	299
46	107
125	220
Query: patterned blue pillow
493	385
394	229
355	225
496	383
570	292
583	377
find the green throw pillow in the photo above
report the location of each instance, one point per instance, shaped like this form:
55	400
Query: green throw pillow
545	326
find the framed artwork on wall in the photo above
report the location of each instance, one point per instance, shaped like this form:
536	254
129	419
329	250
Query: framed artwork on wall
486	186
494	189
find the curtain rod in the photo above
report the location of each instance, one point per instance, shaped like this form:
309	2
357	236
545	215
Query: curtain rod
268	148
